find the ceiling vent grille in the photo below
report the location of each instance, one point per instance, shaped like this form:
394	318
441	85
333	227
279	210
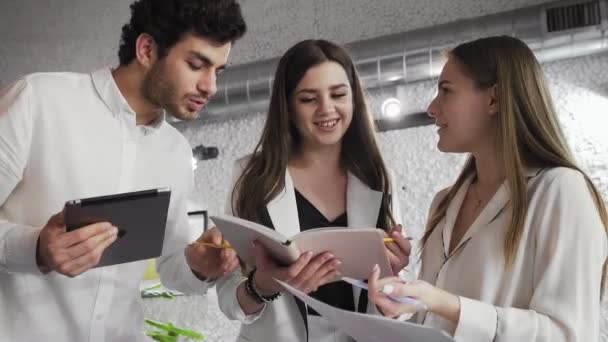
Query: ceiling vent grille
573	16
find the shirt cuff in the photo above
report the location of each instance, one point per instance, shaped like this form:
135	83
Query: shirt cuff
477	321
21	244
197	285
240	315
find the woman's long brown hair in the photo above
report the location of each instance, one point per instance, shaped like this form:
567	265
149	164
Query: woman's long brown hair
263	177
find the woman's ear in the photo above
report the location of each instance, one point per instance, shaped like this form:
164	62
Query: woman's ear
146	50
493	104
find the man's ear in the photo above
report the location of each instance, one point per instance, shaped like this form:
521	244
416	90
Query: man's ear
146	50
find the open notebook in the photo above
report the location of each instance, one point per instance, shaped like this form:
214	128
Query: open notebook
359	249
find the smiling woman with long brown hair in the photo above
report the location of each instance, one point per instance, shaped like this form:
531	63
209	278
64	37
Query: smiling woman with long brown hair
317	165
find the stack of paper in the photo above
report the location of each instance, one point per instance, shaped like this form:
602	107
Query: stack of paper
370	328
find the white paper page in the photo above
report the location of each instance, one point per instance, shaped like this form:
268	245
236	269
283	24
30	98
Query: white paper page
370	328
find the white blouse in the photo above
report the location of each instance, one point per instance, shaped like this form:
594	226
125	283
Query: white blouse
551	291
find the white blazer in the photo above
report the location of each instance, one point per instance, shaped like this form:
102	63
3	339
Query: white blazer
551	291
281	320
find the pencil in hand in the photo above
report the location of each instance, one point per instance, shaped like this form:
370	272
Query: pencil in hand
224	244
387	239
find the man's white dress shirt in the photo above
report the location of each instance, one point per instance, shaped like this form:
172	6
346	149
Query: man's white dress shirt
65	136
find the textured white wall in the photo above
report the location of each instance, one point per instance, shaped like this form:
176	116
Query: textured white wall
579	87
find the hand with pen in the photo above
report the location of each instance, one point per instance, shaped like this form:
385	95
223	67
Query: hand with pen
209	257
397	248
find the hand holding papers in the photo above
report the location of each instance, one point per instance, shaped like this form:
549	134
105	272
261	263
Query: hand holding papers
405	300
370	328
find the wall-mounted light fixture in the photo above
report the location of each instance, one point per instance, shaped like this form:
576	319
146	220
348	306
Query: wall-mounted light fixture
202	152
391	108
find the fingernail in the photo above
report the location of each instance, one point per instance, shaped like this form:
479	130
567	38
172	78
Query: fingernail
388	289
330	256
376	268
337	263
308	254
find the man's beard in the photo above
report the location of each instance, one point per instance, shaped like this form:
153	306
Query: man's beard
159	90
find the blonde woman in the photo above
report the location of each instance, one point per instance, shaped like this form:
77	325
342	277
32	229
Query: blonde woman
515	249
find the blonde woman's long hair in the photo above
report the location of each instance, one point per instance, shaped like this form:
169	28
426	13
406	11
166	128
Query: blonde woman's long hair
528	131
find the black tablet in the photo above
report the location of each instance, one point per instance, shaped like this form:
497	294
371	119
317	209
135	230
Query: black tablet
140	217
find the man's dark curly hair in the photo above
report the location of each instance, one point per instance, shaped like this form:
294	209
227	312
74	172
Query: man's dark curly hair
167	21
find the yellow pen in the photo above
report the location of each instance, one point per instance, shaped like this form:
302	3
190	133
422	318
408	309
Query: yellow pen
224	244
387	239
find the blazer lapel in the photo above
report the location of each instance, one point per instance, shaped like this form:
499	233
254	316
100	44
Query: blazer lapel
362	209
362	203
362	206
283	210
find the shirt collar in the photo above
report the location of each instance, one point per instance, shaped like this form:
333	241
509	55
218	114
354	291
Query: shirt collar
112	97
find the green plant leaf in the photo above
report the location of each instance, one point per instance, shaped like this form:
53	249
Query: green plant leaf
172	331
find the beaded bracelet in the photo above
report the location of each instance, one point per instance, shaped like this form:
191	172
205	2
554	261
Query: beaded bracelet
254	293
